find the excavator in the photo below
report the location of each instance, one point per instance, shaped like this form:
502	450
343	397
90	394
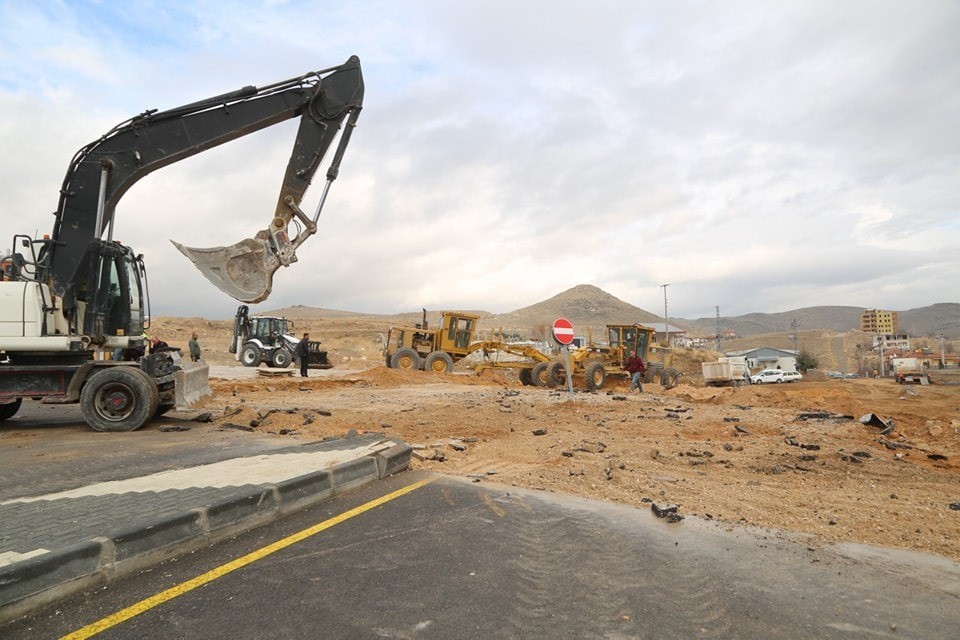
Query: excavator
77	294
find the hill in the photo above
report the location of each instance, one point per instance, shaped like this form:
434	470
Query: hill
837	319
590	308
925	321
586	306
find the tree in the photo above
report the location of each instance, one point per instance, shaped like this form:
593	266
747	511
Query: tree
807	360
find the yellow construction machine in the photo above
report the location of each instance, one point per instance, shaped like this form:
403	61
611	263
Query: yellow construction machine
595	362
421	347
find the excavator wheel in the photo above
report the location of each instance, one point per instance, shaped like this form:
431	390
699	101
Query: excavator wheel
556	374
9	409
119	399
525	378
595	375
438	362
539	374
406	359
250	355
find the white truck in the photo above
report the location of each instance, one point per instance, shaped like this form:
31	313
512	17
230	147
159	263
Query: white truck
726	372
909	371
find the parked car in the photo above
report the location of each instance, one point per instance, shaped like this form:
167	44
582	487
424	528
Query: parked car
775	375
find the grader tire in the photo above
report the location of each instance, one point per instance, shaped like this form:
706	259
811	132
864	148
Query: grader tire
525	377
595	376
438	362
556	374
654	372
539	374
406	359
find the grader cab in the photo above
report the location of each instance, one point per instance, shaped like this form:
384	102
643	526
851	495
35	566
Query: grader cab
437	349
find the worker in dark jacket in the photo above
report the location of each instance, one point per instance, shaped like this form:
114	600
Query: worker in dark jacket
303	352
636	366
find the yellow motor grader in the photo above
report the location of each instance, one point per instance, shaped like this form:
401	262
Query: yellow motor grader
421	347
595	362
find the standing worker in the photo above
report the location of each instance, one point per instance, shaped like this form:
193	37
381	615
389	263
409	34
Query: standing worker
636	366
194	347
303	352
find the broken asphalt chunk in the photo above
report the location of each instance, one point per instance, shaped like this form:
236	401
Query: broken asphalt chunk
662	511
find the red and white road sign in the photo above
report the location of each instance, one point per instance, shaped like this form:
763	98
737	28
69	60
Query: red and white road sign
563	331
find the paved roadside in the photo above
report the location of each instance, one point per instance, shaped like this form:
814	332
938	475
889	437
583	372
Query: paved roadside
78	508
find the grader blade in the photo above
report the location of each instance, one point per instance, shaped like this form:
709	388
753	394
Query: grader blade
244	271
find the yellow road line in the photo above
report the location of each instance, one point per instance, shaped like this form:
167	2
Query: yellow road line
185	587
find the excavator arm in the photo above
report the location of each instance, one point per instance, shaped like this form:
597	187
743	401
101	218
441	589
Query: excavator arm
105	169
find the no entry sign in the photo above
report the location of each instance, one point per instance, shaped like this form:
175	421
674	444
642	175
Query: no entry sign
563	330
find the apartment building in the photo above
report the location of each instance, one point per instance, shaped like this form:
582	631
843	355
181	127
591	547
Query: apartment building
879	321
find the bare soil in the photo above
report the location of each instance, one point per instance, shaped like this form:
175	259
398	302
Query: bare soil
753	455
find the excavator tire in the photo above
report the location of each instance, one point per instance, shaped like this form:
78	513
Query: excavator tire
250	355
438	362
556	374
539	374
595	376
10	409
119	399
525	378
406	359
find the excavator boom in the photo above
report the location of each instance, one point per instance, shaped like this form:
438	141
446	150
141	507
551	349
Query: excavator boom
105	169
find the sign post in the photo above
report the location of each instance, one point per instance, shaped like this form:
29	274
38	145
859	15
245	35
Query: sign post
563	333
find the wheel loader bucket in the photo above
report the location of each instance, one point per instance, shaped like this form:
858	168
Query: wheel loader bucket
192	383
244	271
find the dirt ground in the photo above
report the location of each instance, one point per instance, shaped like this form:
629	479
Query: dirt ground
793	457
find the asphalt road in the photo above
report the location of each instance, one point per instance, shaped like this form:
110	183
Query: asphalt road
459	559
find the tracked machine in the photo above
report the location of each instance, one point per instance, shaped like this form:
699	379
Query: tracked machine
77	293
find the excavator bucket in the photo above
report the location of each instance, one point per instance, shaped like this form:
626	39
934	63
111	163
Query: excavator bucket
244	271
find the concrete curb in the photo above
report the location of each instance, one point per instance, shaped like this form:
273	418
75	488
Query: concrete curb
40	580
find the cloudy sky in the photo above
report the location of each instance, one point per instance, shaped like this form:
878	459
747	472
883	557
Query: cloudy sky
757	156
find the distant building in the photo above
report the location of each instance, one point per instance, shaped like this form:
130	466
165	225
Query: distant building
694	342
677	335
878	321
898	341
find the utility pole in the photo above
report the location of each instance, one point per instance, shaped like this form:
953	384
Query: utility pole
943	359
796	327
666	318
719	337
